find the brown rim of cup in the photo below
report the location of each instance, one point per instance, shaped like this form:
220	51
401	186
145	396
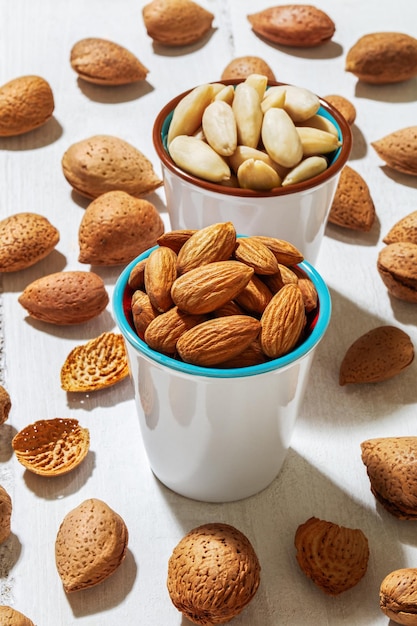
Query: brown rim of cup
334	168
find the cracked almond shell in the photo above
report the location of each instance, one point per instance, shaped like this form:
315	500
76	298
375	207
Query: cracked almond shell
334	557
397	596
397	266
213	573
391	467
176	22
105	163
99	363
105	62
379	354
90	545
51	447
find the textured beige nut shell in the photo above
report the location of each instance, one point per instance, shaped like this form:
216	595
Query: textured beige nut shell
334	557
11	617
69	297
399	150
213	573
26	103
5	515
242	67
90	545
99	363
403	230
25	239
300	25
5	404
397	596
105	62
51	447
343	105
176	22
391	468
383	58
397	266
104	163
379	354
116	227
352	206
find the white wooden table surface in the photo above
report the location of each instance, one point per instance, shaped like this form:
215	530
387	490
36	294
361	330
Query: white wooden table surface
323	474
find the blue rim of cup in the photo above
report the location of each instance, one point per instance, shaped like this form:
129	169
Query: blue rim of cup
318	327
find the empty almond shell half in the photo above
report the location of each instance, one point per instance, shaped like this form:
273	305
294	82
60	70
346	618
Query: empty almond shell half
90	545
391	468
334	557
51	447
99	363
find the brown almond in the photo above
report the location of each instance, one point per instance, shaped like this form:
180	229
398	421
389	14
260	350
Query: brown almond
282	321
215	242
116	227
378	355
391	468
160	274
309	292
397	596
383	58
352	206
176	22
284	251
5	515
51	447
300	25
175	239
26	103
143	311
5	404
105	163
206	288
12	617
163	332
25	239
242	67
254	297
105	62
334	557
399	150
90	545
210	343
136	278
344	106
397	266
213	574
250	356
256	254
69	297
99	363
403	230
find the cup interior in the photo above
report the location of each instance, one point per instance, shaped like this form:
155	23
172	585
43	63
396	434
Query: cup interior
336	159
317	323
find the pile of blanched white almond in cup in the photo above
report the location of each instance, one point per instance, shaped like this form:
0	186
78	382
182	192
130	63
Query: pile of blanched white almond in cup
250	135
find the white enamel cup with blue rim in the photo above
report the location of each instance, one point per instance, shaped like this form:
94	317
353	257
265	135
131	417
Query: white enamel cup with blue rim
212	434
297	213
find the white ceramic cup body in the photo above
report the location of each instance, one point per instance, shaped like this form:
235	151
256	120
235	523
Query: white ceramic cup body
211	434
297	213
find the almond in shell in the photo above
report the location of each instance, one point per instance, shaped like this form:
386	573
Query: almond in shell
397	266
105	163
334	557
90	545
397	596
383	58
403	230
378	355
26	103
344	106
12	617
6	507
399	150
300	25
25	239
116	227
176	22
5	404
242	67
69	297
352	206
105	62
391	468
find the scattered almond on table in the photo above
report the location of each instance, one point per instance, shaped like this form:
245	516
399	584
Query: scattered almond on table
352	206
5	515
397	596
242	67
12	617
25	239
399	150
176	23
5	404
397	267
403	230
26	103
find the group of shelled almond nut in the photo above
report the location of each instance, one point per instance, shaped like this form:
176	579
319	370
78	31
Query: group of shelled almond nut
211	298
251	136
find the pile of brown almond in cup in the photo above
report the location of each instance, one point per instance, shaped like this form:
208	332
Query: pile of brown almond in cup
209	297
